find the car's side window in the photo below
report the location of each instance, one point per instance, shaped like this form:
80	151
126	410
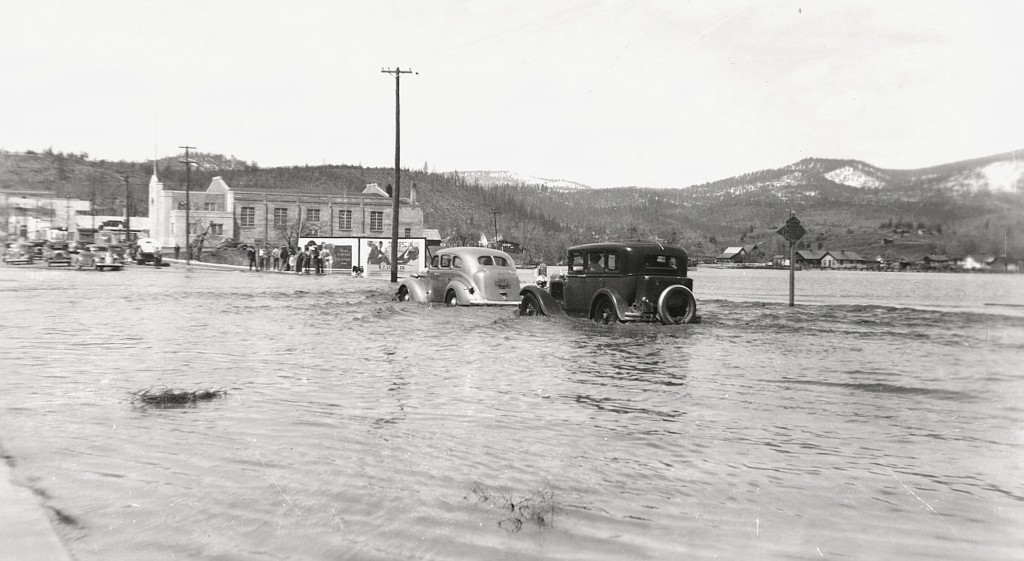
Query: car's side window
446	261
456	262
485	260
595	262
500	261
575	262
435	261
613	262
662	262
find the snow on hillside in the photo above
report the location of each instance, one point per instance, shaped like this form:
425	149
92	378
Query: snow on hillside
1003	176
490	178
853	177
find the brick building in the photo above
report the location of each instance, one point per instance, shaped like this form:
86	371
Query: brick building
276	218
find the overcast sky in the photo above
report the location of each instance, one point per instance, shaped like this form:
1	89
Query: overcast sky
607	93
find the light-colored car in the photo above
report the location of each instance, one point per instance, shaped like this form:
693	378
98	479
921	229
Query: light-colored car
147	251
465	276
100	257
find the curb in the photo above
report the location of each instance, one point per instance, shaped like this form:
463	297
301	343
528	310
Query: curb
26	533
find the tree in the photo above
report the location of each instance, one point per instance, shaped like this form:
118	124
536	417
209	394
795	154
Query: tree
197	242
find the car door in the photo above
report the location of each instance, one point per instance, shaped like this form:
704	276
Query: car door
574	292
601	268
438	276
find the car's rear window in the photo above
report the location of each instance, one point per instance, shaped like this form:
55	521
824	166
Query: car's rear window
666	263
489	260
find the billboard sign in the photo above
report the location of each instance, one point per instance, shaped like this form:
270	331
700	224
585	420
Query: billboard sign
372	254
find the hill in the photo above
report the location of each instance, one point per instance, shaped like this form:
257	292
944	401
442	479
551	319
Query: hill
969	207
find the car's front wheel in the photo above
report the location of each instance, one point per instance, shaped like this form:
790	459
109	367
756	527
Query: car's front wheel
530	306
451	299
605	312
403	294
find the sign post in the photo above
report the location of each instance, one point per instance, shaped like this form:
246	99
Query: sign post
792	231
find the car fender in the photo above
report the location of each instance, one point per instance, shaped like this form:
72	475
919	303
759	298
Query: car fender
621	307
547	303
464	292
417	293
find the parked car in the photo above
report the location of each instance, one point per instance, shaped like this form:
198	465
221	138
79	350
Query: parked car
18	253
56	253
618	281
465	276
147	251
99	257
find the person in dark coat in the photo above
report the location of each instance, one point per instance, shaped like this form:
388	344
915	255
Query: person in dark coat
284	259
318	263
251	254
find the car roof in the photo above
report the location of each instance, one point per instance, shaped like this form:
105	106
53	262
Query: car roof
472	252
638	246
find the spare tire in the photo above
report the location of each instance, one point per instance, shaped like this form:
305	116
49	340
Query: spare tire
677	305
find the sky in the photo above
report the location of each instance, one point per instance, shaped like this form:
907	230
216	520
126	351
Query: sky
607	92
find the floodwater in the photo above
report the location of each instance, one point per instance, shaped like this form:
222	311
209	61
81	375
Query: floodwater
881	418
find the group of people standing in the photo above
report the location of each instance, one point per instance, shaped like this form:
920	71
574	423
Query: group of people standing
312	259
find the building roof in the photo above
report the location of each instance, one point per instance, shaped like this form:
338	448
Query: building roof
810	255
374	189
731	252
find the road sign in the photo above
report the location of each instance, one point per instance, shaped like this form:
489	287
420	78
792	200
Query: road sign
792	231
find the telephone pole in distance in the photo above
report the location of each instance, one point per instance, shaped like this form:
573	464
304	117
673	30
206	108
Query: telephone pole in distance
127	204
496	212
188	205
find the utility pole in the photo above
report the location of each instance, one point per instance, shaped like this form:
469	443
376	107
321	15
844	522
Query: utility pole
398	170
127	204
188	205
495	212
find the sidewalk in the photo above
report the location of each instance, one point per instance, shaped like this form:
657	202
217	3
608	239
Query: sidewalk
26	533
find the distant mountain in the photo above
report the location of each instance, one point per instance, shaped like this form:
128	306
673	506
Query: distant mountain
1001	173
969	207
492	178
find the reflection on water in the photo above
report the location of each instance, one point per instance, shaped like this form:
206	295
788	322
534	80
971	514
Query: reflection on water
354	427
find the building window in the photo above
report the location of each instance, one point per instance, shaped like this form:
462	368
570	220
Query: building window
247	219
312	215
216	229
408	232
376	220
280	217
344	219
210	206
